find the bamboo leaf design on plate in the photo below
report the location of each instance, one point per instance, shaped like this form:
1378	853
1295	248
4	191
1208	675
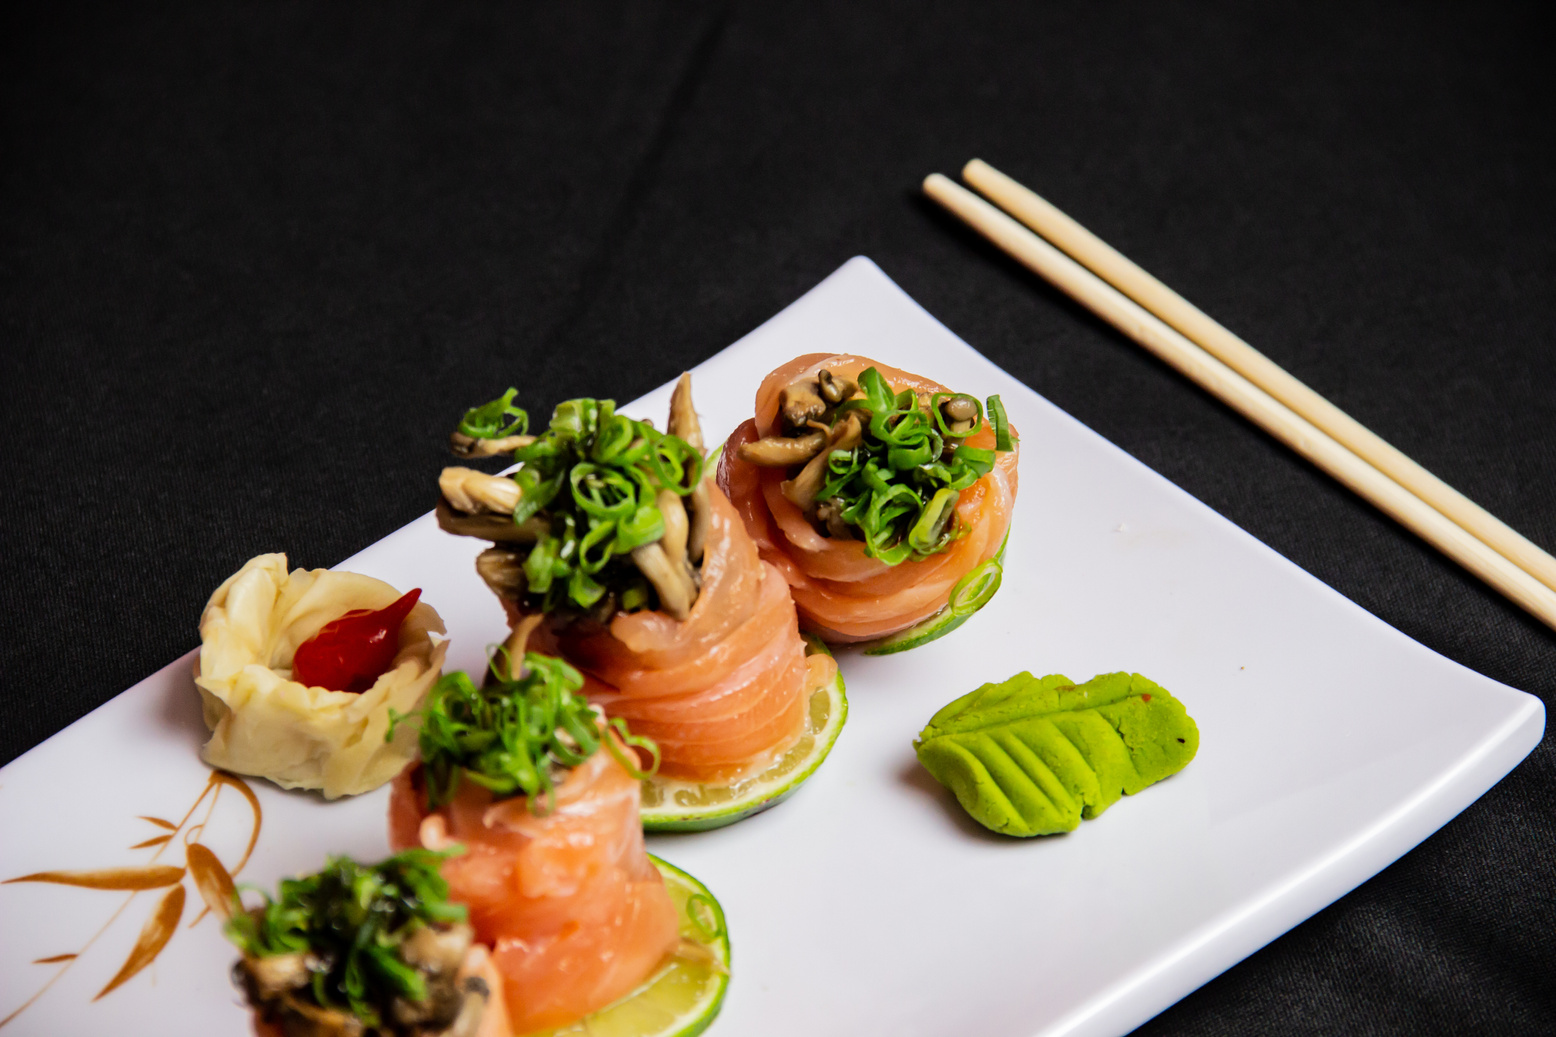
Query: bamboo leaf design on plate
1034	756
154	935
211	879
153	876
242	788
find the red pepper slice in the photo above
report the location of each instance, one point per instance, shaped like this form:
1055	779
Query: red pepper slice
352	652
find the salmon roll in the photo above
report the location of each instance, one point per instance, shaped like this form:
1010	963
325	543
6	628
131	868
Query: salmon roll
537	797
642	575
883	497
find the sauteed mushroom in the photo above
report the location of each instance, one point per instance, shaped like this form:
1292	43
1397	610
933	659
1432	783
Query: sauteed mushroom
471	491
684	423
783	451
800	403
676	590
488	526
834	389
802	489
470	447
502	571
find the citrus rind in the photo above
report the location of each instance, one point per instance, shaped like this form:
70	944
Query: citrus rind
682	806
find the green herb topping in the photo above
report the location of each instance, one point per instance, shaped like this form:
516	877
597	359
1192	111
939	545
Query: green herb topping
891	466
592	478
351	921
515	736
487	421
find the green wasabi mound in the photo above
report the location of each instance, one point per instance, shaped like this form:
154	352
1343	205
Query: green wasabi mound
1033	756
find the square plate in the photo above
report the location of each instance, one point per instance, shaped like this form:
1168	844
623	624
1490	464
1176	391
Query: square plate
868	903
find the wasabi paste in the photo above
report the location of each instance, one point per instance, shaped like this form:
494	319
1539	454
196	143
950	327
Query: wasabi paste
1033	756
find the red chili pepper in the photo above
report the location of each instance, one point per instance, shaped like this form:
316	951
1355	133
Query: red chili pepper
1146	697
352	652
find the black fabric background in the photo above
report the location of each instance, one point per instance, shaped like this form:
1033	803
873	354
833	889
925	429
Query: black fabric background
255	258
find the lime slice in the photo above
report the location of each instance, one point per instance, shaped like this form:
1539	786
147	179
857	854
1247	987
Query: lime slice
970	594
683	998
683	806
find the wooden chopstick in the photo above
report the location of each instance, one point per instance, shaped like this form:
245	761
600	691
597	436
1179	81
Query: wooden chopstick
1248	399
1092	252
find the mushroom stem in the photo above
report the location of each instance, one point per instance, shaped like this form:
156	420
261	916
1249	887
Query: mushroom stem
701	512
471	491
471	1010
675	587
782	451
677	531
698	509
487	526
830	514
683	421
676	527
518	643
470	447
270	977
801	491
503	572
437	950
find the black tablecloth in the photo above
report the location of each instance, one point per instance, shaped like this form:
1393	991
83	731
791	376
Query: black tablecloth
255	258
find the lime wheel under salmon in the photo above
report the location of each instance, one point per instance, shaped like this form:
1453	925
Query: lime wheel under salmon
671	805
684	996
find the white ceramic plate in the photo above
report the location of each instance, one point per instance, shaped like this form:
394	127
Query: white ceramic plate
869	903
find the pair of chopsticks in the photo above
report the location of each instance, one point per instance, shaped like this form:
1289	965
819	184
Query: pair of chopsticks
1156	317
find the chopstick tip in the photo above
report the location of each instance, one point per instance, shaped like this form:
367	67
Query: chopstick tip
936	182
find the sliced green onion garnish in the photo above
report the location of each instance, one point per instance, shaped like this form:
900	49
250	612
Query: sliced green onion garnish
631	741
996	409
899	486
635	596
932	528
705	916
583	588
486	421
644	527
511	735
351	919
593	477
974	590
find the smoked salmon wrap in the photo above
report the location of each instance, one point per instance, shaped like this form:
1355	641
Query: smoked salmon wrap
874	491
542	797
645	577
723	691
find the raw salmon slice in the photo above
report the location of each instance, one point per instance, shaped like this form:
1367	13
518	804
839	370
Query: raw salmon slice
721	692
574	912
